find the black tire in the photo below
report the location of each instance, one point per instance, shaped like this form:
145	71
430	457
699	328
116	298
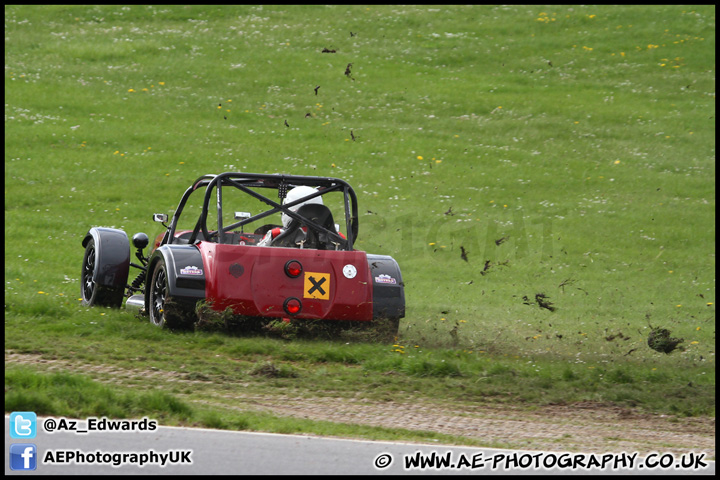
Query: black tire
164	311
92	293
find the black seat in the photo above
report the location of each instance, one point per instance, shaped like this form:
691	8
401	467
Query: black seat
311	238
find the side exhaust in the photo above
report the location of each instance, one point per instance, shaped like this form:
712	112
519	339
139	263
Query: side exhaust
135	302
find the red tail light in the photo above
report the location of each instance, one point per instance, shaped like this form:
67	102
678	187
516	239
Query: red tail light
292	306
293	269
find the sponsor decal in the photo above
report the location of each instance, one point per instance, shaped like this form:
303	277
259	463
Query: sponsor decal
191	270
384	278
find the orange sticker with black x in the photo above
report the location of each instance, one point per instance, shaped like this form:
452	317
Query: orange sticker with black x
317	286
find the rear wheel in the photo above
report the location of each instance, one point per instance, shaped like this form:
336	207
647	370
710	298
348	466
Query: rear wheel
166	311
93	293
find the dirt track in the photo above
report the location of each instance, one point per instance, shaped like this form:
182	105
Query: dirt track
579	427
583	427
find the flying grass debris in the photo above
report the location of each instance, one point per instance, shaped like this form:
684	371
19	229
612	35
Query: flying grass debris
486	268
348	73
542	300
661	341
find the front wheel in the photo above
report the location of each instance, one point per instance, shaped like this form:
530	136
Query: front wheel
165	311
93	293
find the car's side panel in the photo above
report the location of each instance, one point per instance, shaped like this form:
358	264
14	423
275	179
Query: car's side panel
112	256
253	282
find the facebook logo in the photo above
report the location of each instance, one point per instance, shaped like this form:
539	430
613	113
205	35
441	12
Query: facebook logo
23	424
23	456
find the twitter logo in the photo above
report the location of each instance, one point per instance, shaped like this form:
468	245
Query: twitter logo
23	424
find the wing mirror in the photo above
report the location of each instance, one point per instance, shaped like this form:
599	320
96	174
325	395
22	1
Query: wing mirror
242	216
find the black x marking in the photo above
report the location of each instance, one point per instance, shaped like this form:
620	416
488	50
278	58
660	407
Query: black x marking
317	285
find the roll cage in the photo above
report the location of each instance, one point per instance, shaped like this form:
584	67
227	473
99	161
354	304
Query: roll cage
277	182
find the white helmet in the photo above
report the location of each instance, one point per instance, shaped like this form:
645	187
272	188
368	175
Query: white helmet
296	194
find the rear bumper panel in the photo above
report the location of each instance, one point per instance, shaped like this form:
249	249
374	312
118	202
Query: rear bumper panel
252	281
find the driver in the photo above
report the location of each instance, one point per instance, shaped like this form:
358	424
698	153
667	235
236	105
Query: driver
294	194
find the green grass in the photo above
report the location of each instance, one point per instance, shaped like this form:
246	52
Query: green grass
72	394
569	150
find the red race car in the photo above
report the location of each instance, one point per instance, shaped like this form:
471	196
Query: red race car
265	246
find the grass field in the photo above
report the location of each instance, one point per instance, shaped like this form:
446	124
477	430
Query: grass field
568	152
